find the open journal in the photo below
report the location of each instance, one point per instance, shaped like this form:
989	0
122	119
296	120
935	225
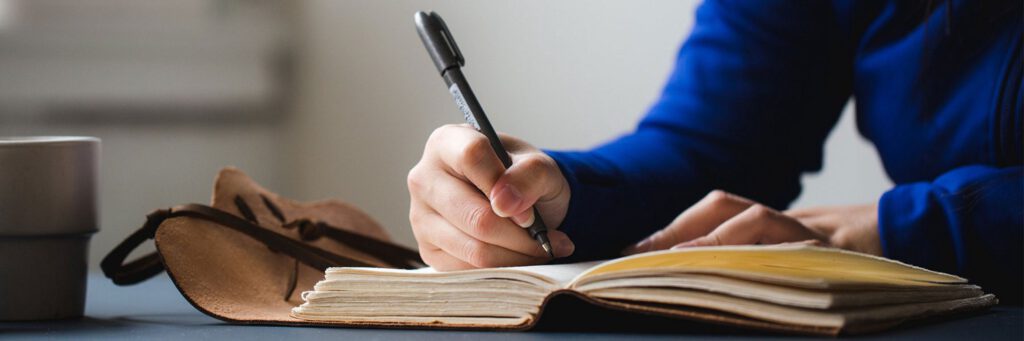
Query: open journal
783	287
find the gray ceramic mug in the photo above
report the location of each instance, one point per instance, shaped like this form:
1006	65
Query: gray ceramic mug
48	212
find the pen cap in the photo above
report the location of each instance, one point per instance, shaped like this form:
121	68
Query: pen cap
438	41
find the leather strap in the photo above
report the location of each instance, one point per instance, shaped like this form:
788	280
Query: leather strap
394	255
139	269
149	265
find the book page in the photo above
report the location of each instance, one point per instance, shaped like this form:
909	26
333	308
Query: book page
497	296
558	273
793	265
552	276
561	273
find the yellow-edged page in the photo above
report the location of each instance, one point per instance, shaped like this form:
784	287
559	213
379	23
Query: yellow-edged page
793	265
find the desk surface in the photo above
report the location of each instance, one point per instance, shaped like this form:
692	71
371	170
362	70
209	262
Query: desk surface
155	310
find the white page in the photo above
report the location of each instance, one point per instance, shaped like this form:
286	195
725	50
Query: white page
560	273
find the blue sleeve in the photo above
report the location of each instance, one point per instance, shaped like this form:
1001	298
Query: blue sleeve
968	221
756	89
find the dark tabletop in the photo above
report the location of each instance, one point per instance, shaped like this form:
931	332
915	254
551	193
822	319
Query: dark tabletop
155	310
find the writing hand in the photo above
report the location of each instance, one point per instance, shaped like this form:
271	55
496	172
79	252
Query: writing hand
458	227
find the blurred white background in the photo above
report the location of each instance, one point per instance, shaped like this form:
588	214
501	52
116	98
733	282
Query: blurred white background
319	99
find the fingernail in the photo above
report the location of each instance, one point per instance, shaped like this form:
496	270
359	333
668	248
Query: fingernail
564	249
524	219
506	199
642	246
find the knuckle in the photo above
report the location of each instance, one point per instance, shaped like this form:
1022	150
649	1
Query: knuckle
429	258
439	260
536	165
480	221
438	134
672	234
433	140
759	210
414	180
840	239
419	229
718	197
430	261
660	237
415	220
539	175
474	151
715	240
475	253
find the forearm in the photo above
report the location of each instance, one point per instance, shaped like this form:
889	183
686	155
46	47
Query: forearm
615	202
745	110
970	221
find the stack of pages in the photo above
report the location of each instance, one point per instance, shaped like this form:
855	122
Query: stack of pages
794	288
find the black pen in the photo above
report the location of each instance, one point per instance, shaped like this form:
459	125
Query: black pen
448	59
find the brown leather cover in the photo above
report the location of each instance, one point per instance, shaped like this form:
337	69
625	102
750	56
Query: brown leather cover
237	278
234	277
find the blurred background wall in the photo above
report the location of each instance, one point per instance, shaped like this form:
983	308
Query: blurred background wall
319	99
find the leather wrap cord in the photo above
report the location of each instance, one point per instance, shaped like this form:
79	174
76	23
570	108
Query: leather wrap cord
149	265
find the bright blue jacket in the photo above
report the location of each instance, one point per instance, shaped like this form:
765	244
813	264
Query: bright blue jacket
757	88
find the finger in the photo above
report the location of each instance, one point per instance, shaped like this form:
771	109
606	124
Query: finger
464	207
441	261
822	210
512	143
809	242
807	211
822	219
698	220
756	225
828	220
466	153
561	245
436	231
425	227
821	224
533	177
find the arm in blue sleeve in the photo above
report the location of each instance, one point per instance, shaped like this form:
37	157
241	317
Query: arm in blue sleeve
756	89
969	221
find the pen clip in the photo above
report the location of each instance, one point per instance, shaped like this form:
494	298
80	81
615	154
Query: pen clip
438	41
454	48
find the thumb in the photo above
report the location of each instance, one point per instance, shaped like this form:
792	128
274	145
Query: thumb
533	179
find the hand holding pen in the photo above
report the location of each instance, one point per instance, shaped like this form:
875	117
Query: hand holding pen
467	184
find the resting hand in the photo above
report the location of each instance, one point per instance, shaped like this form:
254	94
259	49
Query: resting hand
726	219
457	226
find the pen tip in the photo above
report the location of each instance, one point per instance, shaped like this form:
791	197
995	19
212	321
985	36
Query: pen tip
547	247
